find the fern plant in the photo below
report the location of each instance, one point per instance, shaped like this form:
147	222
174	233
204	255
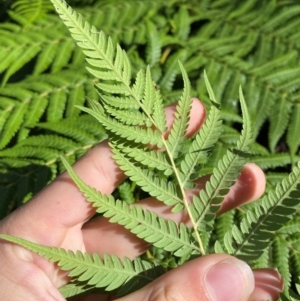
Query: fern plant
131	110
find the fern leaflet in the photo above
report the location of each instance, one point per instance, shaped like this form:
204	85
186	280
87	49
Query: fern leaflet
109	272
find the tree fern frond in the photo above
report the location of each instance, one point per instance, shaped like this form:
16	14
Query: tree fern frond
149	92
153	50
150	158
280	259
136	134
160	188
293	137
120	102
279	121
145	224
45	97
106	61
204	140
128	117
109	272
224	175
182	23
31	11
259	224
70	129
20	61
182	116
273	160
13	123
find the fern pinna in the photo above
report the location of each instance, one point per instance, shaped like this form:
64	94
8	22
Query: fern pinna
131	111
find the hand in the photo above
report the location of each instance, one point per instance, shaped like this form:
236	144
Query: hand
58	216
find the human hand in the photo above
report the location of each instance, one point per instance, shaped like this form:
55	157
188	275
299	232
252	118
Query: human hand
58	216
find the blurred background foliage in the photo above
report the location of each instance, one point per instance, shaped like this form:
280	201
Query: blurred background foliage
252	43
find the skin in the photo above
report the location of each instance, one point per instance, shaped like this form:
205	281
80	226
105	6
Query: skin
59	216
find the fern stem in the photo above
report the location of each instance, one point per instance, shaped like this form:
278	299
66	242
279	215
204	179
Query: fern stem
185	201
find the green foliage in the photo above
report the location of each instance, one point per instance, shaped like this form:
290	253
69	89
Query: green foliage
49	108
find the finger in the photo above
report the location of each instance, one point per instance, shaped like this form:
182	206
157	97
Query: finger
62	206
268	285
215	277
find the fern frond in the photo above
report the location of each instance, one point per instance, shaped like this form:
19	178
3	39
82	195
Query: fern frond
182	23
136	134
105	60
143	223
182	114
273	160
280	259
13	121
160	188
204	140
153	50
293	137
150	158
30	11
109	272
224	175
259	224
128	117
279	121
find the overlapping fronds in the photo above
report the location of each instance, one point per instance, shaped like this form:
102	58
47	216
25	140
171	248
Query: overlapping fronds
238	46
29	165
47	45
48	97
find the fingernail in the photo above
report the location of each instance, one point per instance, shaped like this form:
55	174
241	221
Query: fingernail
230	279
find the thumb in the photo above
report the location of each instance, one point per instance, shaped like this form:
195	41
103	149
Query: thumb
216	277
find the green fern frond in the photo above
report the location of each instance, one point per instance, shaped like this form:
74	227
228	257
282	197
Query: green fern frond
224	175
136	134
150	158
30	11
109	272
48	97
203	141
279	121
153	50
145	224
273	160
259	224
280	259
158	187
13	121
182	116
293	137
52	49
